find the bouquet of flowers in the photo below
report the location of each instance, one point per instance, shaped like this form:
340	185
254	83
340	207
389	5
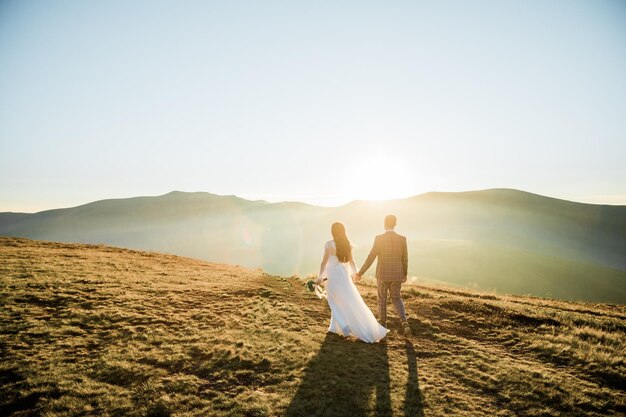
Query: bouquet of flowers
314	287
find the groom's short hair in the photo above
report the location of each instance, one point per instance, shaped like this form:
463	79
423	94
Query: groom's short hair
390	221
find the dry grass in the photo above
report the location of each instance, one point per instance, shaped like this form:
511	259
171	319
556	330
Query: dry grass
95	330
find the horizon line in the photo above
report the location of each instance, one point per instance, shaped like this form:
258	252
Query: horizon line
617	200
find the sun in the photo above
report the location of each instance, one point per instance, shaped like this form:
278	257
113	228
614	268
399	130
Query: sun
382	177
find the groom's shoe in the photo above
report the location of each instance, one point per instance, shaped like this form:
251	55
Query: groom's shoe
406	329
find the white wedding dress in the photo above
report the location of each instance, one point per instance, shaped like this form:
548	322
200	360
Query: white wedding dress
350	316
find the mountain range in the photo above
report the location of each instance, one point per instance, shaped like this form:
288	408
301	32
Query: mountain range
501	240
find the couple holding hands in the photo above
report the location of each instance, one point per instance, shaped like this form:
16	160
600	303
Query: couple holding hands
350	316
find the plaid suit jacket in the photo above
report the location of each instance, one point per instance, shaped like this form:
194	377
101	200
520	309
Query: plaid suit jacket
391	251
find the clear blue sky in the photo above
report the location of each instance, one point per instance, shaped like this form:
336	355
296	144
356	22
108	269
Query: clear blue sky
320	101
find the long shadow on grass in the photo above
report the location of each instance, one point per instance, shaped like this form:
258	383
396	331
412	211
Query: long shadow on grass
342	378
413	400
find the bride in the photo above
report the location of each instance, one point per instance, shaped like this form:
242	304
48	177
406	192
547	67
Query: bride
350	316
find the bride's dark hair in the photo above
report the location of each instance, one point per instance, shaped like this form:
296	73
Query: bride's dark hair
338	230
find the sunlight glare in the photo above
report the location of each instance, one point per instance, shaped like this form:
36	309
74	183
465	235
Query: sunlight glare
382	176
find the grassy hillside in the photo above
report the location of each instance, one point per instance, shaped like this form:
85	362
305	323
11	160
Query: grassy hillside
504	240
96	330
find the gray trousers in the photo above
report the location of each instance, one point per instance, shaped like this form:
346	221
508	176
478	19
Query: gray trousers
393	287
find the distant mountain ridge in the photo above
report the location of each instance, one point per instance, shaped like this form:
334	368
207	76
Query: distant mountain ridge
498	239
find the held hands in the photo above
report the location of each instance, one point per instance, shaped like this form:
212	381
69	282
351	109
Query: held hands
356	277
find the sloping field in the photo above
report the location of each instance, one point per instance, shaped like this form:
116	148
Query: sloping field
96	330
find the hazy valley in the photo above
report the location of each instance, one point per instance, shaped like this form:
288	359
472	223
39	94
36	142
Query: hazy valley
504	240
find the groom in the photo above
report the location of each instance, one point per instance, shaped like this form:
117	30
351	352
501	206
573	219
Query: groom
391	270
